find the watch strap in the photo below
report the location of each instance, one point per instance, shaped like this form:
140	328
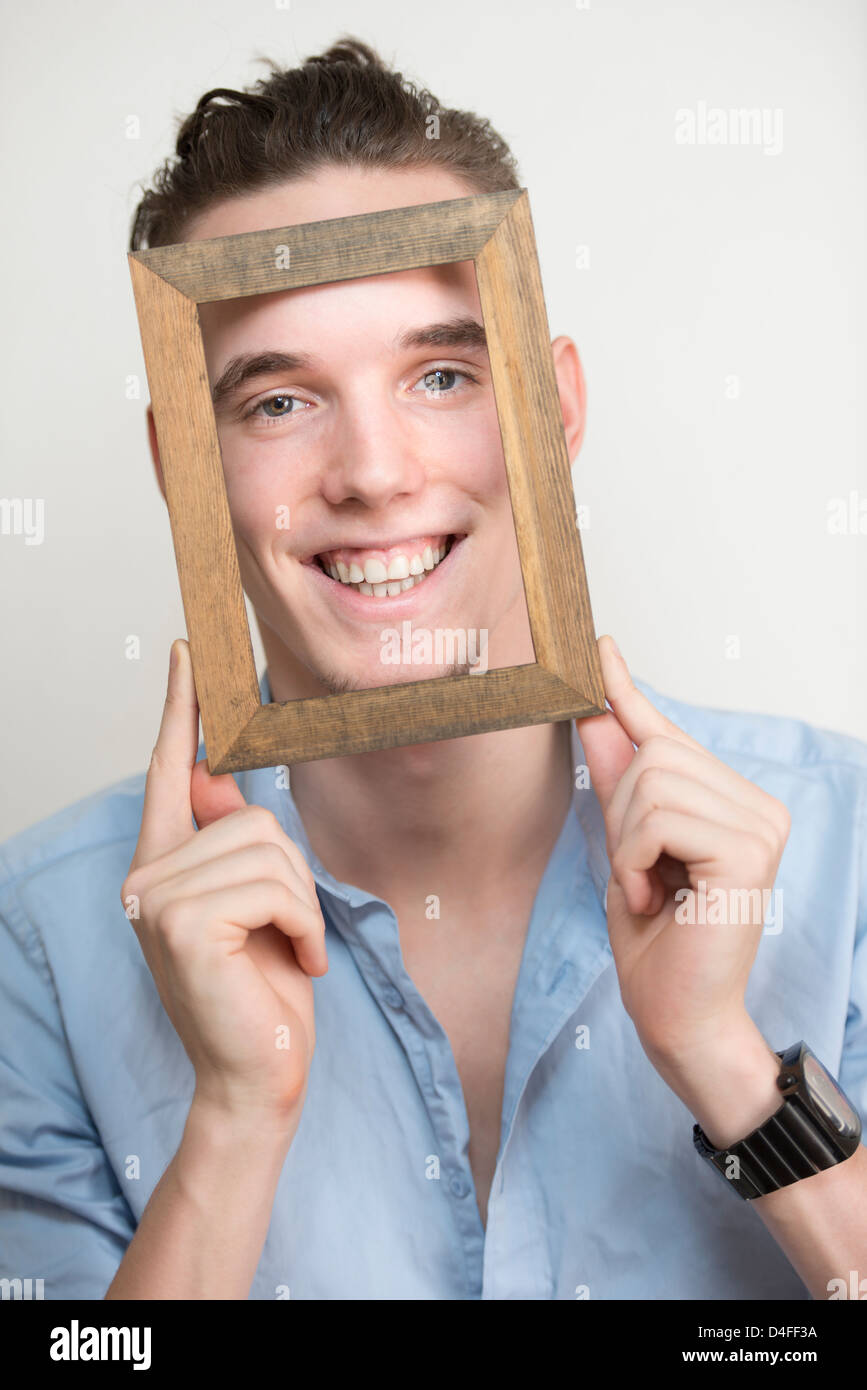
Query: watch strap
788	1146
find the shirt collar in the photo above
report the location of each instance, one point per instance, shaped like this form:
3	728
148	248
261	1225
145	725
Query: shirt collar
271	787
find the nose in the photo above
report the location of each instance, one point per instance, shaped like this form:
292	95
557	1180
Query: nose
373	457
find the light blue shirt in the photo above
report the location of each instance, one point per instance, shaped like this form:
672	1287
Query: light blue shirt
598	1191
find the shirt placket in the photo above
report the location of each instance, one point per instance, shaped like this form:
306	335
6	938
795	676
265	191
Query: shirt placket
568	949
430	1057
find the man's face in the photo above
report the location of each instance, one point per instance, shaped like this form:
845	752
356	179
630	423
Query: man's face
374	457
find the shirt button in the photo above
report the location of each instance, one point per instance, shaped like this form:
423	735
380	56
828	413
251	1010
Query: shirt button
458	1186
393	997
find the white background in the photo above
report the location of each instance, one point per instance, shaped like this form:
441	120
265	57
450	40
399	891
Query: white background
708	515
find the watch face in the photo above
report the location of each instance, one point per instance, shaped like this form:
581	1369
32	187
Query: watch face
825	1095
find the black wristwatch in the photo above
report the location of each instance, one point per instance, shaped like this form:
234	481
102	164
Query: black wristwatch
815	1127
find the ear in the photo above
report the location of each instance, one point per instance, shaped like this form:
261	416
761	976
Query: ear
573	392
155	450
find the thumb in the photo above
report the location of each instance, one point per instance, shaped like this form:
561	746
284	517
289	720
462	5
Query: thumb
166	814
213	797
607	746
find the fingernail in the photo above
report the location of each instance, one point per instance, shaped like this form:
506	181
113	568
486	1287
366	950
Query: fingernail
617	651
173	658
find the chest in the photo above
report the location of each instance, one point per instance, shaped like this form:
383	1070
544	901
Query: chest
467	977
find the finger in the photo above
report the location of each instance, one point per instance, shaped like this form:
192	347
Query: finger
607	748
245	907
253	862
667	772
167	815
639	718
213	797
609	752
251	827
702	845
662	790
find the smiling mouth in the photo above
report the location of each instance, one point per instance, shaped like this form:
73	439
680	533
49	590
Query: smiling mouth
389	571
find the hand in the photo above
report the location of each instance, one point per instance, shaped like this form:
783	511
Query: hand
229	924
676	818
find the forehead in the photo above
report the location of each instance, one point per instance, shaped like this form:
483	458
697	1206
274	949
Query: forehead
374	312
332	191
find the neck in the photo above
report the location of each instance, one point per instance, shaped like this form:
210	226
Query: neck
468	814
464	816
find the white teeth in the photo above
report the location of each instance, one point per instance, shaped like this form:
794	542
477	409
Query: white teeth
402	573
375	571
399	567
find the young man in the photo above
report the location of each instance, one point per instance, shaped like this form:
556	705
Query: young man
285	1075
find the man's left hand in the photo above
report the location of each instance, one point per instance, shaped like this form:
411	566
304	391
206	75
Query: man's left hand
677	818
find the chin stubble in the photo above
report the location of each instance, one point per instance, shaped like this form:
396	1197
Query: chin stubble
341	685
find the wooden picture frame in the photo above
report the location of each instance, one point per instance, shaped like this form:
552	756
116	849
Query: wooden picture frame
494	230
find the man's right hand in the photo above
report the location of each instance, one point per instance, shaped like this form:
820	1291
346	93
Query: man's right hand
229	924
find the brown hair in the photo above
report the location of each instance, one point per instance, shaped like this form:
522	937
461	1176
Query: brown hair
341	107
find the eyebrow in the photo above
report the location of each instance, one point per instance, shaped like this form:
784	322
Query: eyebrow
458	332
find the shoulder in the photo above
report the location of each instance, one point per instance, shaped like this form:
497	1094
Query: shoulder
782	747
86	832
68	867
76	832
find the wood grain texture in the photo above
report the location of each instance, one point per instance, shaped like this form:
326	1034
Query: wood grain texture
220	647
392	716
339	248
496	231
536	454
